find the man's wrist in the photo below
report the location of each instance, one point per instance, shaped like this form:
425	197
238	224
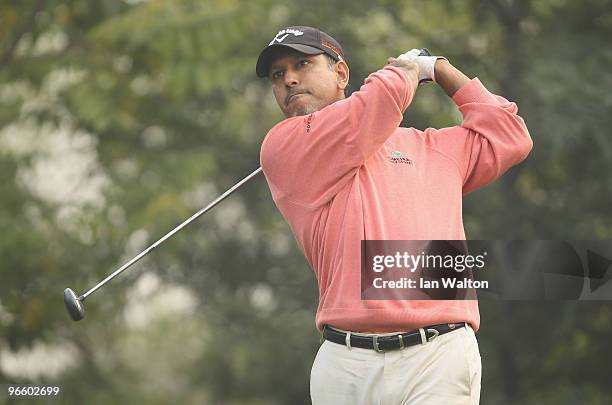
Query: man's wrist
439	66
449	77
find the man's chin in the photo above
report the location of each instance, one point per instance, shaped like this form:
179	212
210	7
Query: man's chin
302	110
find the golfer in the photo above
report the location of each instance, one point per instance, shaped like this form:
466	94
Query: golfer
341	170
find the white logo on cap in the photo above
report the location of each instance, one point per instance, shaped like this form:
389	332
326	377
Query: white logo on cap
285	33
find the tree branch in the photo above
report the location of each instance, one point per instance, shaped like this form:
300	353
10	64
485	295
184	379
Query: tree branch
8	53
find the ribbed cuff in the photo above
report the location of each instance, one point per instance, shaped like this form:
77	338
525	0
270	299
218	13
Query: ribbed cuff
474	92
408	84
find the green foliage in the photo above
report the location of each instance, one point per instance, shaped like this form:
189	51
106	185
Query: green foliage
120	119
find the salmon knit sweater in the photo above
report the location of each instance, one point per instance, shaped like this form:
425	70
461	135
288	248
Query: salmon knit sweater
348	173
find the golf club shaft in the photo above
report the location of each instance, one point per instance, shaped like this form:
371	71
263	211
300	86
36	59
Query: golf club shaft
169	234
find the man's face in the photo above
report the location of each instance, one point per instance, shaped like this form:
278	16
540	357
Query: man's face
303	84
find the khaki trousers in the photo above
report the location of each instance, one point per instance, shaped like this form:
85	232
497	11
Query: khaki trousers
445	371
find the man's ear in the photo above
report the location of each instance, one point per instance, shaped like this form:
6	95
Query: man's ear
342	73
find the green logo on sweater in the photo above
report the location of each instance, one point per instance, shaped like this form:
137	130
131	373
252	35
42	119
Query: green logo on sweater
398	157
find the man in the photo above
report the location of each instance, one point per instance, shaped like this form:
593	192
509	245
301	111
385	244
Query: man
341	171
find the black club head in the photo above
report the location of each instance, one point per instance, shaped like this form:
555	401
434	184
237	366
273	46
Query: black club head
74	305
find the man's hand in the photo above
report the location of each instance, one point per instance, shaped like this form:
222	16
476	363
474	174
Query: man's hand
438	69
426	63
410	68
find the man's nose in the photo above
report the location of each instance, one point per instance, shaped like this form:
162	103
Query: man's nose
291	78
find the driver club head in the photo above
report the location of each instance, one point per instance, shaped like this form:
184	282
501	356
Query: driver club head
74	305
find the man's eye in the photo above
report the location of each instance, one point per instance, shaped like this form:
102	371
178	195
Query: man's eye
304	62
277	75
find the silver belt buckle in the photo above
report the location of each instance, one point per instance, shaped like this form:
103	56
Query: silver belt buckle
375	344
435	334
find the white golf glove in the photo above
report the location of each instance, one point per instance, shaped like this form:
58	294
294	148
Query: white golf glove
426	63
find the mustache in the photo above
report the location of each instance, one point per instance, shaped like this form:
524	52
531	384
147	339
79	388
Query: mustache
293	92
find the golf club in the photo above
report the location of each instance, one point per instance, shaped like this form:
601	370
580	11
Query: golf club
74	303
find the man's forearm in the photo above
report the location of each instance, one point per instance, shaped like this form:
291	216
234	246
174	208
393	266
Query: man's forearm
449	77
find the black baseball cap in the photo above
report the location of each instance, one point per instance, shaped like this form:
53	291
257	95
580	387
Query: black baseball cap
308	40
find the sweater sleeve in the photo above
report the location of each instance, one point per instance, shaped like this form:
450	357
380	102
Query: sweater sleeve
308	159
491	139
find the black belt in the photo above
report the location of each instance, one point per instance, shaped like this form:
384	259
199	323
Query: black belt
383	343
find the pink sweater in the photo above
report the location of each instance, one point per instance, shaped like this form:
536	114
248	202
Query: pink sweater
337	178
